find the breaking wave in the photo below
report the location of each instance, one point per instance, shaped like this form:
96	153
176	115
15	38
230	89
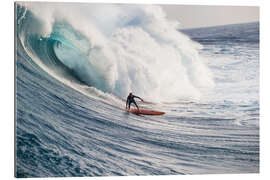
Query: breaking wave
113	49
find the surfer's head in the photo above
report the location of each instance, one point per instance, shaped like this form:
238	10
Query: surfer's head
130	93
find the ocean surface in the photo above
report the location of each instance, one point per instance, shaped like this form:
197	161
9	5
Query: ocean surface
75	70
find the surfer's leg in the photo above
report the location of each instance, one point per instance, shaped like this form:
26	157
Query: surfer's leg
129	104
136	105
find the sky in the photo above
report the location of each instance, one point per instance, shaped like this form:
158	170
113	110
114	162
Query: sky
192	16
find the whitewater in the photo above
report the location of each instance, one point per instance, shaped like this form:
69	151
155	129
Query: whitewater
76	64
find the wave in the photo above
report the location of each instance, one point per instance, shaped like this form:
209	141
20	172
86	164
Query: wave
226	34
113	49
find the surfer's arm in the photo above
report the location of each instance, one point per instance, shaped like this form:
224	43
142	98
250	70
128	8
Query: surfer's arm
138	98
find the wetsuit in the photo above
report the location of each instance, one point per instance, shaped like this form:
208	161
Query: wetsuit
130	99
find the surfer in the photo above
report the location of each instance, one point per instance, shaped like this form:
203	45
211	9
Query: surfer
130	99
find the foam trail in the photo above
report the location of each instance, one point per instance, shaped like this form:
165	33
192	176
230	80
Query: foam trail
134	48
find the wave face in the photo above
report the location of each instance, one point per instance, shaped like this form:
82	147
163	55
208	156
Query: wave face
133	49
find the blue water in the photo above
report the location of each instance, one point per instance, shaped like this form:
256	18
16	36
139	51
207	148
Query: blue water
71	88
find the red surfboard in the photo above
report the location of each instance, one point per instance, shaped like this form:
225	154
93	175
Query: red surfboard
145	111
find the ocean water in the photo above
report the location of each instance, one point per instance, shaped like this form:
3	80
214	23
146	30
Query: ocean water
74	71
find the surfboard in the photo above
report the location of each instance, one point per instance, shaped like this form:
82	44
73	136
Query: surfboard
145	111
